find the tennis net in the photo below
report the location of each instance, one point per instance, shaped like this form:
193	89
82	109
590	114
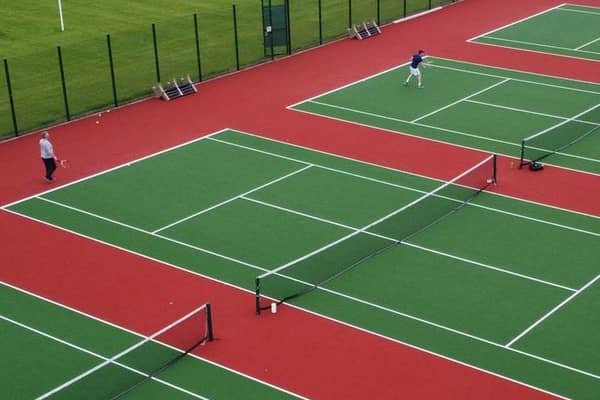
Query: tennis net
315	269
119	375
558	137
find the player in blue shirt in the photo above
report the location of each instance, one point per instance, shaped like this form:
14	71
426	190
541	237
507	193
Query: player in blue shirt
414	68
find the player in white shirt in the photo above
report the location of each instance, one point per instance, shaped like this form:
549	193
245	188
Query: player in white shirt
48	156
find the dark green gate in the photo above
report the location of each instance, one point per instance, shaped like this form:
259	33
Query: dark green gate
276	27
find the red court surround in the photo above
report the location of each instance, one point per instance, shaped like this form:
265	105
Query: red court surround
323	359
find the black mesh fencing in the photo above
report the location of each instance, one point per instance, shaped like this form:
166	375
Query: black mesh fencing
111	69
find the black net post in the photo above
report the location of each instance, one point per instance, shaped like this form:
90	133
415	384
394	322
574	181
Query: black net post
197	36
11	98
378	12
156	59
257	298
522	161
112	71
495	170
64	83
209	325
235	38
404	10
429	5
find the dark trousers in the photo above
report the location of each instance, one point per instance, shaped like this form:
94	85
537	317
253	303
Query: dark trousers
50	165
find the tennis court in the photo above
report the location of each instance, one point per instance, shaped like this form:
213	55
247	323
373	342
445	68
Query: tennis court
568	29
476	106
501	284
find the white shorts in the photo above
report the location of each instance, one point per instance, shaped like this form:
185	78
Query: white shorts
414	71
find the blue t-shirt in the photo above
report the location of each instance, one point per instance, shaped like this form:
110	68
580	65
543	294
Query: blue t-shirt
416	60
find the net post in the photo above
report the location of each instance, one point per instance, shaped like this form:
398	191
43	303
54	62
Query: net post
495	170
209	323
257	294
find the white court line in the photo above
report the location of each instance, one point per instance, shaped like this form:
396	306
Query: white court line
137	334
107	323
539	44
573	118
361	301
440	253
519	79
125	164
203	250
337	156
111	360
522	110
588	43
89	352
443	130
370	114
516	22
130	251
550	223
211	137
462	146
460	100
266	270
276	180
554	310
580	11
538	51
388	70
358	328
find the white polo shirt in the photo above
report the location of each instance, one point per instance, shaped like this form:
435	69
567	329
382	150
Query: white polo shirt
46	150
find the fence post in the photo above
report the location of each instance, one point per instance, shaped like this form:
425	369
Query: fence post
112	71
156	62
349	13
10	98
320	23
288	27
197	34
64	83
235	37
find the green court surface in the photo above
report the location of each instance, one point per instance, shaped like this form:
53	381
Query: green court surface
478	107
569	30
47	345
501	284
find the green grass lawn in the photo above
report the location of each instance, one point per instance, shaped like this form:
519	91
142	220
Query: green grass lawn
33	60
